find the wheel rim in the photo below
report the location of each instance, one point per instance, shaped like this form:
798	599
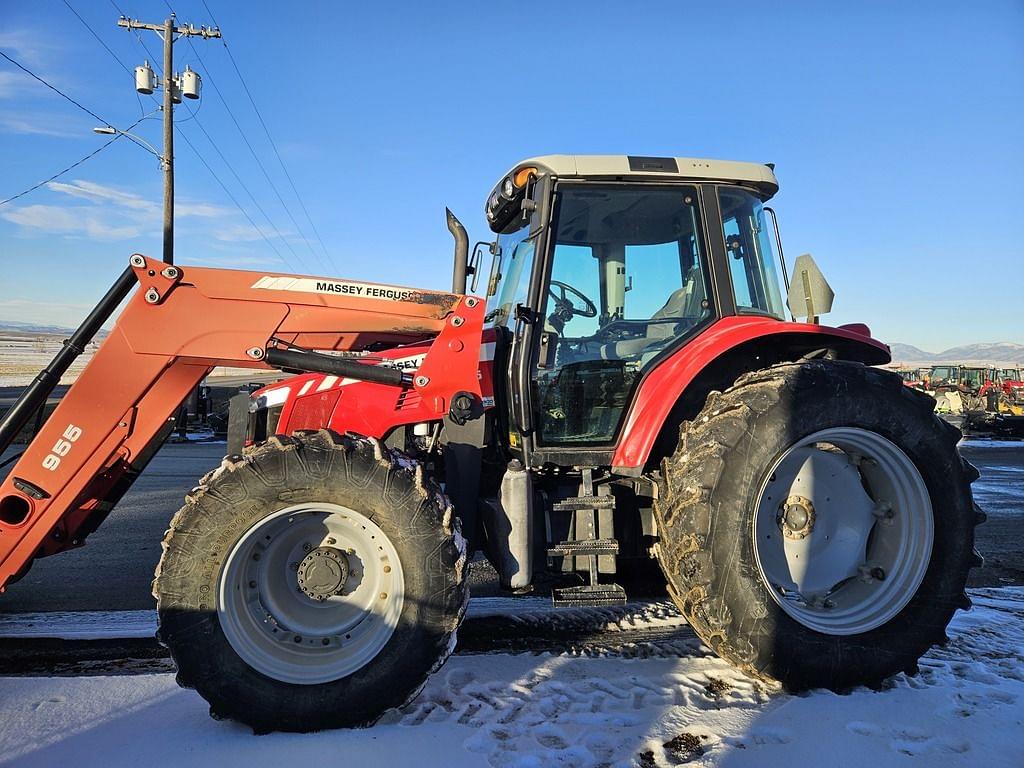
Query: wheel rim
311	593
843	530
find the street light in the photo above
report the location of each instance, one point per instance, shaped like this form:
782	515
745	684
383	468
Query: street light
109	130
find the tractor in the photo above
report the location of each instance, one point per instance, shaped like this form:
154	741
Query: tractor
629	392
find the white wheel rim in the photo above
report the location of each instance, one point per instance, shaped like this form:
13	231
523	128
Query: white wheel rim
309	637
843	530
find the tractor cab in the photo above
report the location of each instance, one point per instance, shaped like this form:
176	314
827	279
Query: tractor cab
605	266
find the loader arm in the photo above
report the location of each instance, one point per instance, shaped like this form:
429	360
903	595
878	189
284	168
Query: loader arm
180	324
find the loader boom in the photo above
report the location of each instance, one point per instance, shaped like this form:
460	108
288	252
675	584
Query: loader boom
179	325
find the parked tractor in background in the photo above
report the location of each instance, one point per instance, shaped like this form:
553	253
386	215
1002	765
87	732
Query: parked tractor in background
628	391
1013	384
979	399
912	377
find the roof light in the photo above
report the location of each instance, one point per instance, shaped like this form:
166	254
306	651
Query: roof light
523	175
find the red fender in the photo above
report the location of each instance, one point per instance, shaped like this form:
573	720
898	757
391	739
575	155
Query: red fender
662	387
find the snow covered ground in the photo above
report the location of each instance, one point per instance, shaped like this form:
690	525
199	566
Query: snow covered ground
667	705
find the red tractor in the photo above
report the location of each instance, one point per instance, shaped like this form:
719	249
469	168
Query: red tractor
629	391
1013	384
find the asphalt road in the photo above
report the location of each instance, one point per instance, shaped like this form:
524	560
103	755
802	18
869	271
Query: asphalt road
113	571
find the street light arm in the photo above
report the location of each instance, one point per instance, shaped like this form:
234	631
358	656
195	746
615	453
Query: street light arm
110	130
141	142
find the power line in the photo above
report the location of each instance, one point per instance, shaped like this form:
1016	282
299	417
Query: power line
99	39
53	88
232	197
243	185
60	173
69	168
193	116
270	138
259	163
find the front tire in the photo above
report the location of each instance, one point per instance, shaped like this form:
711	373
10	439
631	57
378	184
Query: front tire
314	583
840	465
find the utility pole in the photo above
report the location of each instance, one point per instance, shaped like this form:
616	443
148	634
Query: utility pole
187	84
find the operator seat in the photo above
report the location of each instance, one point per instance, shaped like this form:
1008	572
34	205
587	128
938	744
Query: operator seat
685	304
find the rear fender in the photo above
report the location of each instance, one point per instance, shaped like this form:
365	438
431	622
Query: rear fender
675	390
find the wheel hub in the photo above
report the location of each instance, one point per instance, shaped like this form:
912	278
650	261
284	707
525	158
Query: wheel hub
796	517
311	593
857	530
323	573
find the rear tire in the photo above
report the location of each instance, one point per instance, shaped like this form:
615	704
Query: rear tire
717	550
211	623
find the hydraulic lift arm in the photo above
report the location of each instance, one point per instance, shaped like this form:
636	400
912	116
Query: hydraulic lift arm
179	325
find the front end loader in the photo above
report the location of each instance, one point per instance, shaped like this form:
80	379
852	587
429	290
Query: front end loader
631	401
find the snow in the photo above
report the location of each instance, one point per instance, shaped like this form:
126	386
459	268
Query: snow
965	708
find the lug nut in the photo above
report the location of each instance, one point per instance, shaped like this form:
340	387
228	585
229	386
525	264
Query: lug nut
383	595
387	569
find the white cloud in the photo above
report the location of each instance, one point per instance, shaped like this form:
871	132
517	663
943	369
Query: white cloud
201	210
110	213
98	193
37	124
26	45
76	220
12	83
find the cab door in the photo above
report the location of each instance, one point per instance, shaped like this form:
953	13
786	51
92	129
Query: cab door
624	282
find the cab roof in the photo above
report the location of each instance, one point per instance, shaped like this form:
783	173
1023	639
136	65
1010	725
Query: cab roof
758	175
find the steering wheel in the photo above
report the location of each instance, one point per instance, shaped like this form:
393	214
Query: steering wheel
563	304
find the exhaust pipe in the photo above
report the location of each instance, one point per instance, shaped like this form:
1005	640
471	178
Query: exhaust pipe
461	252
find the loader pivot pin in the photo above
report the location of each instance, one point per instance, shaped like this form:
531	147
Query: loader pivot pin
323	573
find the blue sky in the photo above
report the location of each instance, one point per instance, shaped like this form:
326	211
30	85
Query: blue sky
897	130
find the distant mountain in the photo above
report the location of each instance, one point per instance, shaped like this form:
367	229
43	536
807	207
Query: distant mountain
993	352
13	325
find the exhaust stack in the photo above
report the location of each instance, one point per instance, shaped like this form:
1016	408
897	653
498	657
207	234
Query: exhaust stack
461	252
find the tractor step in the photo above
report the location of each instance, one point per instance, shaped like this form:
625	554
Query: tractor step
584	547
584	502
588	595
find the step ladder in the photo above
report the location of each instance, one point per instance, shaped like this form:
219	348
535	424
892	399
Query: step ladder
591	513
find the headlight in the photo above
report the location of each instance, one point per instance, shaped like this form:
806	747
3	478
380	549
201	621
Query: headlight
508	188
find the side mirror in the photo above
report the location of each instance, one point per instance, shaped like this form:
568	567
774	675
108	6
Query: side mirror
810	295
475	261
495	276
